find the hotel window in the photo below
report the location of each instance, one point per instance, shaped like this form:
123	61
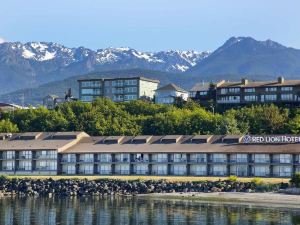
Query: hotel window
47	154
122	157
249	90
239	170
69	158
90	91
234	90
159	169
282	158
140	169
69	169
130	82
8	165
122	169
46	165
286	88
282	171
86	157
198	170
9	155
261	171
86	169
179	157
270	97
25	165
202	93
105	157
141	157
287	97
25	155
271	89
250	98
198	158
261	158
223	91
117	91
219	158
219	170
160	158
239	158
178	169
104	169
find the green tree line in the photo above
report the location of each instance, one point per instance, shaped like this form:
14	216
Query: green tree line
104	117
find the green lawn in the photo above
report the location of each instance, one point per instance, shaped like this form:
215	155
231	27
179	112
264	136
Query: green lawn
168	178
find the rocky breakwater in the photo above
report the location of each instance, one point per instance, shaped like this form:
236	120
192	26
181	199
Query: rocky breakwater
84	187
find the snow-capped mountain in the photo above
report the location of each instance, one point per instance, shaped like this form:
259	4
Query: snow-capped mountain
34	63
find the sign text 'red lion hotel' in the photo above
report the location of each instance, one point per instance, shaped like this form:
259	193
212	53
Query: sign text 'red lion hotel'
77	153
247	139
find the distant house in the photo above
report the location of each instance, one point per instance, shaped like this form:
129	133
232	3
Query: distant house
51	101
169	93
7	107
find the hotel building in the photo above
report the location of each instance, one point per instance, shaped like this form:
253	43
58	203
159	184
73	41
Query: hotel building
231	94
71	153
117	89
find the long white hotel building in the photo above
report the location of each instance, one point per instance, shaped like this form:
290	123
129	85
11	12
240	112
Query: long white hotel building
71	153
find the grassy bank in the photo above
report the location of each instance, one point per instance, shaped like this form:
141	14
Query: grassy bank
168	178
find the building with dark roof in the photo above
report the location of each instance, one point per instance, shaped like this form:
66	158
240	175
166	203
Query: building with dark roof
169	93
121	89
40	153
227	94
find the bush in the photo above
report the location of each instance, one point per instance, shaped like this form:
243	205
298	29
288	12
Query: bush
258	181
233	178
296	180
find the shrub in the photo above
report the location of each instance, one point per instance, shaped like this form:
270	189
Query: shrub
233	178
296	180
258	181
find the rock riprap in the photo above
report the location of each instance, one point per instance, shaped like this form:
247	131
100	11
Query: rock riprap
84	187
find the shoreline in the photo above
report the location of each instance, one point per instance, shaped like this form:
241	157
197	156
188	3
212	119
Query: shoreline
270	199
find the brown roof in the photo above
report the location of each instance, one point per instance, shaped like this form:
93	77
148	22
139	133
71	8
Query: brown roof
84	143
260	84
171	87
201	87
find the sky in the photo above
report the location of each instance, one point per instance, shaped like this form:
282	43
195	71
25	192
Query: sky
149	25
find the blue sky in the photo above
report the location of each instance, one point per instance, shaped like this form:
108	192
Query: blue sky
149	25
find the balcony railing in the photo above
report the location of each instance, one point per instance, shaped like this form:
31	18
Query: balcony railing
159	172
105	172
159	160
140	160
122	160
198	173
68	160
141	172
122	172
281	161
86	160
239	160
178	160
201	160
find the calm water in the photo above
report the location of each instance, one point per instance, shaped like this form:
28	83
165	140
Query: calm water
90	211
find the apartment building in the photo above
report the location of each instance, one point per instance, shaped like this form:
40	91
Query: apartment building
230	94
117	89
76	153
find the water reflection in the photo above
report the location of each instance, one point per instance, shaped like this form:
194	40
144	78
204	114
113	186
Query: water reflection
91	211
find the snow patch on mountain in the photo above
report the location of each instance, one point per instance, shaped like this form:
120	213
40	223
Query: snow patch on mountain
172	61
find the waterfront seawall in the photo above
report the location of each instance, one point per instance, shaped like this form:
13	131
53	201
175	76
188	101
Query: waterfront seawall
83	187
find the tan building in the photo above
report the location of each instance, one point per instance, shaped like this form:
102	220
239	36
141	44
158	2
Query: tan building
73	153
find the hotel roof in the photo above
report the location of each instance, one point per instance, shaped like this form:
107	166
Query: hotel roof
83	143
259	84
